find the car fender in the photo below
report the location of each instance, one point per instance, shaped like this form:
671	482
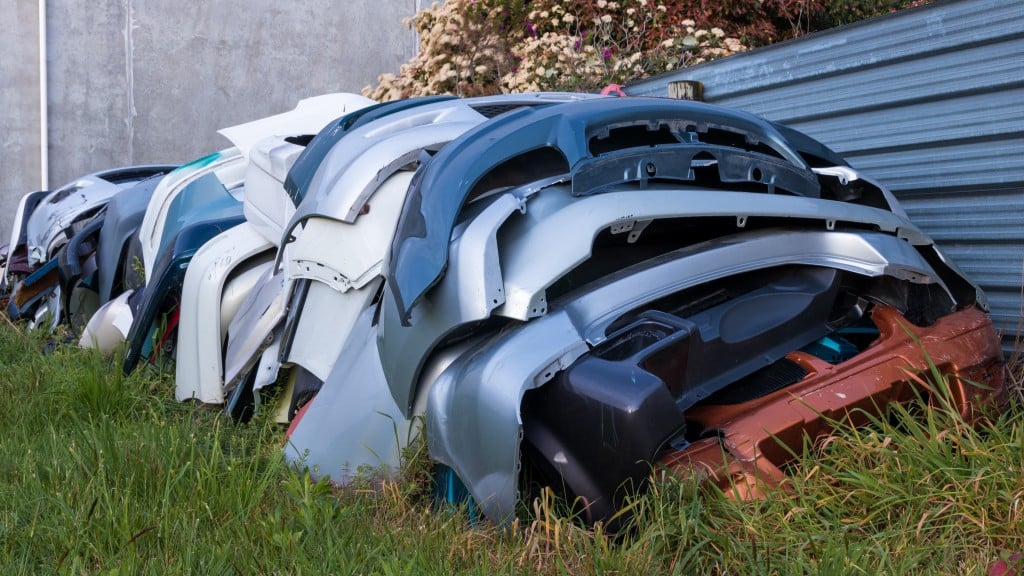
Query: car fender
124	215
309	116
208	304
107	329
227	166
48	225
366	157
471	289
254	326
163	289
327	318
26	205
352	422
361	400
47	311
344	255
267	206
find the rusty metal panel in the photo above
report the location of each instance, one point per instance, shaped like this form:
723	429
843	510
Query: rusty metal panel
929	101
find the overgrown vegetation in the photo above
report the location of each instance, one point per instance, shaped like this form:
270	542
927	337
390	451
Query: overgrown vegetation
477	47
104	474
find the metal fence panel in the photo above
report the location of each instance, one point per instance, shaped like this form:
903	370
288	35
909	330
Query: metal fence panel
929	101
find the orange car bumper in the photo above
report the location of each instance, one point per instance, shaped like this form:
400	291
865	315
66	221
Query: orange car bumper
747	445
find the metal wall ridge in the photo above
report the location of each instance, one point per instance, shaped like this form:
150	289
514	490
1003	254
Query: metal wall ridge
938	28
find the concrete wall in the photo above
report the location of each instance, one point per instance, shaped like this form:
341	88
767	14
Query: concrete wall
150	81
19	107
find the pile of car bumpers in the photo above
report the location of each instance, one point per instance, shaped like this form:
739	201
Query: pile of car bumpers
565	289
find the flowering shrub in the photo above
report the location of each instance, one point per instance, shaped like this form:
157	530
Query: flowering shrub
476	47
611	42
465	49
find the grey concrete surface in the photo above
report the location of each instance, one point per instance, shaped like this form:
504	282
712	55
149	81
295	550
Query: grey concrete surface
87	98
19	107
144	81
218	67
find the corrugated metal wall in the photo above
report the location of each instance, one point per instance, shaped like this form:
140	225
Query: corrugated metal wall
929	101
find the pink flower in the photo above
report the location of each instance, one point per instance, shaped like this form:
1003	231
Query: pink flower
1007	567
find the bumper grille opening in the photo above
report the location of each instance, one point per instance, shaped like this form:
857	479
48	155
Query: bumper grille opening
771	378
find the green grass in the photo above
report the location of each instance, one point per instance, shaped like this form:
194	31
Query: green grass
104	474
